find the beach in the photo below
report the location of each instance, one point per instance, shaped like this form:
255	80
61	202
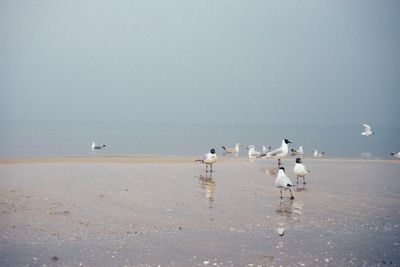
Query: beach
167	211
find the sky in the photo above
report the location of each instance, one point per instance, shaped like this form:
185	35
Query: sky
220	62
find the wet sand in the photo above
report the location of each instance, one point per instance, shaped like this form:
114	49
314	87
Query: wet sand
150	211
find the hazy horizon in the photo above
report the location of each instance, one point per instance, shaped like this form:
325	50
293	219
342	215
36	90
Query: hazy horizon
225	62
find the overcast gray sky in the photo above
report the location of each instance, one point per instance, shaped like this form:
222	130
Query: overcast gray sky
256	62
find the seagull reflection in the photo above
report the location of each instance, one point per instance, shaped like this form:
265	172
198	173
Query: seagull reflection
208	184
301	187
284	208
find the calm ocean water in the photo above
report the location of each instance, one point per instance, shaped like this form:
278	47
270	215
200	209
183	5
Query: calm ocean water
74	139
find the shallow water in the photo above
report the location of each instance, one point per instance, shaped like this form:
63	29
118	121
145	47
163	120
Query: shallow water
348	214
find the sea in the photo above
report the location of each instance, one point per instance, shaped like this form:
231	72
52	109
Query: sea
50	138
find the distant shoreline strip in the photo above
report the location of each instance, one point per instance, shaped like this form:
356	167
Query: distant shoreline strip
162	159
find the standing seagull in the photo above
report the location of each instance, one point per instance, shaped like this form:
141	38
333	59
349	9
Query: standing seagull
297	151
317	154
367	130
94	146
279	152
209	159
397	155
283	182
232	150
300	170
265	149
253	153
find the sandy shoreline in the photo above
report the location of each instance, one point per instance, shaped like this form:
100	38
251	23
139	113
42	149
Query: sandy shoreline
158	159
167	211
99	159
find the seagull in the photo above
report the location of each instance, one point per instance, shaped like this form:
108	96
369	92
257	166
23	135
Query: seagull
232	150
253	153
297	151
94	146
300	170
317	154
367	130
279	152
283	182
397	155
265	149
209	159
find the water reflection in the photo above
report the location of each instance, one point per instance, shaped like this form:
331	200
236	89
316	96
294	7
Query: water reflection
285	208
207	183
300	187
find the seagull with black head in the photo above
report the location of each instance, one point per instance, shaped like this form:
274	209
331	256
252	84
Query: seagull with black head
300	170
280	152
283	182
209	159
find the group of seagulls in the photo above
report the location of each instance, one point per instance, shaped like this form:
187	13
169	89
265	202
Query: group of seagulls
278	152
282	182
300	152
266	153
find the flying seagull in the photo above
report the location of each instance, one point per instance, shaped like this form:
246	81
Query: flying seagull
367	130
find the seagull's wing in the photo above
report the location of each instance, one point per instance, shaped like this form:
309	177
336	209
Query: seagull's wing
203	158
287	181
256	154
304	168
367	127
275	152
